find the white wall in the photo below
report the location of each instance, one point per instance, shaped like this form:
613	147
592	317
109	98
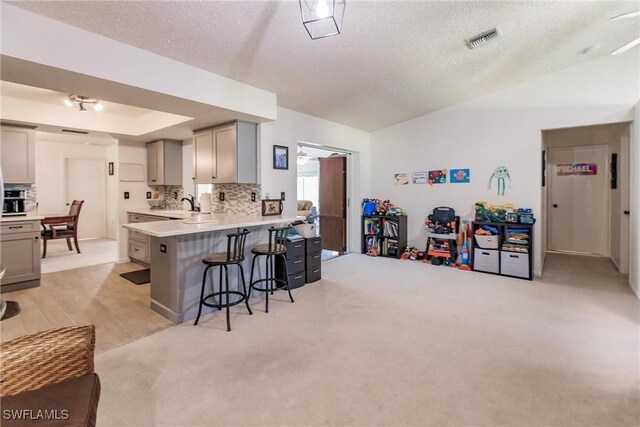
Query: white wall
130	152
634	262
51	152
292	127
502	128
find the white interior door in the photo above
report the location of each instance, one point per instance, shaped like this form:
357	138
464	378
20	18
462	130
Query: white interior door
85	180
578	203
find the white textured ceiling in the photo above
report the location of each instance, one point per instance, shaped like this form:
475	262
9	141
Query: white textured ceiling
394	60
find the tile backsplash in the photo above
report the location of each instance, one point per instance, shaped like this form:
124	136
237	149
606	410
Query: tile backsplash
237	198
171	201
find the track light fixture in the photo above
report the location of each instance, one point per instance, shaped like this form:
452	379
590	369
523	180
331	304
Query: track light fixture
82	101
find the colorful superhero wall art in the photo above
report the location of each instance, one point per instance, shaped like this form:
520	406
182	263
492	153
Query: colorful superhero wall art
437	177
500	174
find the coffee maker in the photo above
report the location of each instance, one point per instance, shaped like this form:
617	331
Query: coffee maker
14	203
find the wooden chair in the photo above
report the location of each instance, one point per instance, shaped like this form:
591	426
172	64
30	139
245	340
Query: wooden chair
62	227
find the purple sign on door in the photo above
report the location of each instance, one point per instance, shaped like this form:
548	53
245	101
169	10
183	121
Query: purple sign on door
567	169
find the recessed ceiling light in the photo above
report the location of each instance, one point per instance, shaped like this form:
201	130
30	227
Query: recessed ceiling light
68	102
98	107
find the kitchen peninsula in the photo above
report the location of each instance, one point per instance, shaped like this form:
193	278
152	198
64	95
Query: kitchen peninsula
177	247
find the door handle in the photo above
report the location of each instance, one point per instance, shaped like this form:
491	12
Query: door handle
67	204
555	205
627	212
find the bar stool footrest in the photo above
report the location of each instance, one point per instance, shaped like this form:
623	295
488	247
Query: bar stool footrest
226	304
283	284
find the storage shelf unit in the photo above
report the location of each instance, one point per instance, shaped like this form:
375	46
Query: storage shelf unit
513	252
303	261
387	233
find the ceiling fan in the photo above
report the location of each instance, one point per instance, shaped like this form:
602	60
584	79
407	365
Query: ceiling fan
632	43
303	157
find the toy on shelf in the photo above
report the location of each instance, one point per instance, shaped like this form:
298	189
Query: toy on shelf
506	213
379	207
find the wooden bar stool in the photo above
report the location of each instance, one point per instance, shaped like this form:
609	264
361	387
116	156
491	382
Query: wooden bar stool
234	255
275	247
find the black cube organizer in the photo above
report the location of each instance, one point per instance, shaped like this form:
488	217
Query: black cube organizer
509	253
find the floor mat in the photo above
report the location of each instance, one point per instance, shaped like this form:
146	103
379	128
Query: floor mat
139	277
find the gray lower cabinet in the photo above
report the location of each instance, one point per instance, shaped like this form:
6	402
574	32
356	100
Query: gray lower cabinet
20	249
138	242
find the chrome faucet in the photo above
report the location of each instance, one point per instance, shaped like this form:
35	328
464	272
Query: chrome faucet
192	202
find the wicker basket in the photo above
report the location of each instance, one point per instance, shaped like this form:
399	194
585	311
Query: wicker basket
49	357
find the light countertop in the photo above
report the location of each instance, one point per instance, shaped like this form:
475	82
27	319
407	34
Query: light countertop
201	223
29	217
165	213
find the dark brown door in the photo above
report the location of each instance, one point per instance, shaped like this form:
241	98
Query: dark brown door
333	203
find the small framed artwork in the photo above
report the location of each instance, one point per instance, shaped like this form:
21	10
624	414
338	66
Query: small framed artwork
111	168
271	207
280	157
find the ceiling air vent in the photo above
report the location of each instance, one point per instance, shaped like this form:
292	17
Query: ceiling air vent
81	132
482	38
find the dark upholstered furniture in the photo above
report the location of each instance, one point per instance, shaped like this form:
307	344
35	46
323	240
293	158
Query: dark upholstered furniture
48	379
62	227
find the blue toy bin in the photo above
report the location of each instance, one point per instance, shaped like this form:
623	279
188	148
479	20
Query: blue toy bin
368	208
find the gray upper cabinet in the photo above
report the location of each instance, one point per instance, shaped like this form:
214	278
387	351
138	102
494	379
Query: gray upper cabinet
18	154
226	154
164	162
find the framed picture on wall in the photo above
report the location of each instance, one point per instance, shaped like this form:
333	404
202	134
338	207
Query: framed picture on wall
280	157
271	207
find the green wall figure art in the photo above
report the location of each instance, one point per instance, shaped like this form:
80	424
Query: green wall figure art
500	174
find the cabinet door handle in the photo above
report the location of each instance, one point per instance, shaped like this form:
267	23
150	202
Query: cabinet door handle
15	227
153	180
297	262
297	277
316	271
485	253
297	246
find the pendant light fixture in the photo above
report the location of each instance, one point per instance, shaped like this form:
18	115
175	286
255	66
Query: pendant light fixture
81	101
322	18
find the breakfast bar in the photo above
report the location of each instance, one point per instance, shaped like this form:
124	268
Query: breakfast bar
177	248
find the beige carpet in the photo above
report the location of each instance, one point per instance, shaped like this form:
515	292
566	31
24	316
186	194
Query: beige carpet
388	342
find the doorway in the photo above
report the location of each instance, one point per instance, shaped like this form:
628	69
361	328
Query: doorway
578	211
585	197
85	179
322	180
